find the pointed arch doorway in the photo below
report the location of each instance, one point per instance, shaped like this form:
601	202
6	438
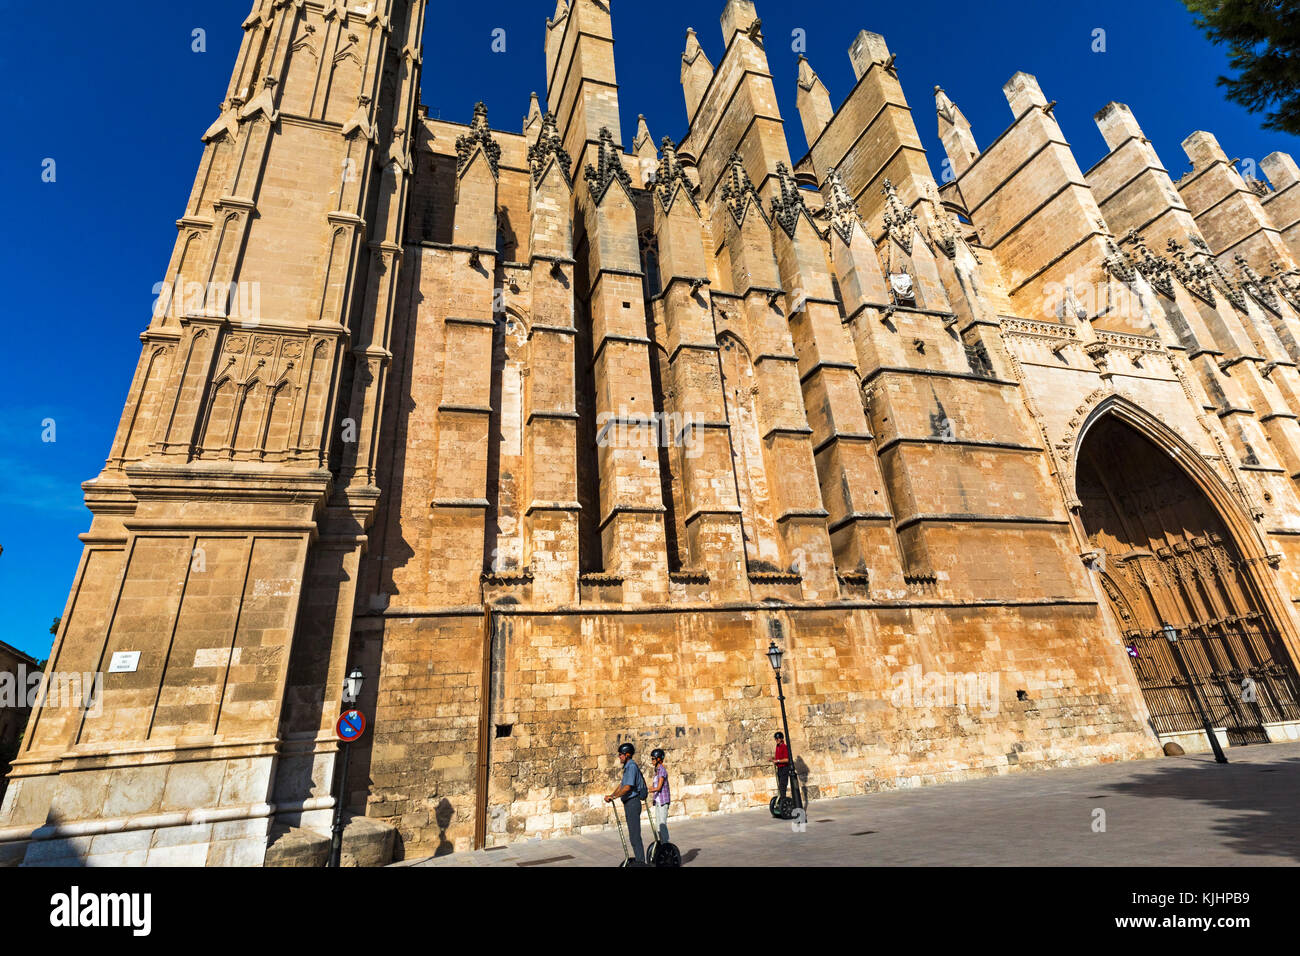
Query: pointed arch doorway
1169	556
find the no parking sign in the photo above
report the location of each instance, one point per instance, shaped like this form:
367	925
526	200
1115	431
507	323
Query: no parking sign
351	725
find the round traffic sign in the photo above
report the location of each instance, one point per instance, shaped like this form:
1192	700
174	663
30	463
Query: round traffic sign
351	725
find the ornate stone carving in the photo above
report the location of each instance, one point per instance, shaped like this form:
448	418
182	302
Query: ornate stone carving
670	175
841	208
900	221
738	190
549	147
789	206
1126	266
1250	280
1194	275
609	167
479	137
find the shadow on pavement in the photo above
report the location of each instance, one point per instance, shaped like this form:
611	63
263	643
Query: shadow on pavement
1263	797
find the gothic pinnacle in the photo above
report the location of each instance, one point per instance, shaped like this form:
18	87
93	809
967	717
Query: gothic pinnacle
807	75
955	132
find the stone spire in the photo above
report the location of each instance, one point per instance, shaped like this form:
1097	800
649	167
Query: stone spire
740	16
955	132
697	73
533	121
643	136
813	100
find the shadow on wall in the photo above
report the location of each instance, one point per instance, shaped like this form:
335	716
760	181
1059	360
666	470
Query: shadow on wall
57	852
806	789
443	816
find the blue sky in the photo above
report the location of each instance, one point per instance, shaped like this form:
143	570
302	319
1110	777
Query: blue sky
118	100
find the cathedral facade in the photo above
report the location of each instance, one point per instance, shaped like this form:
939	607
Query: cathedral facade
553	435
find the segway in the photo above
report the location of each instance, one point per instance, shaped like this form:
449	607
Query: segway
661	854
628	860
781	807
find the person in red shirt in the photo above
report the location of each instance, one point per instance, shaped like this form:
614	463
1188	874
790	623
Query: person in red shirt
782	761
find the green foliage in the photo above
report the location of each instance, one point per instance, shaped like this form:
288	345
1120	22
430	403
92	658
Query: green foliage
1263	41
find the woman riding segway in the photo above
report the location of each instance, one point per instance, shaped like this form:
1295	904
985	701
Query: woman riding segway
661	852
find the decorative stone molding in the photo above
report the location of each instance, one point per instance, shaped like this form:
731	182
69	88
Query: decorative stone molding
1036	329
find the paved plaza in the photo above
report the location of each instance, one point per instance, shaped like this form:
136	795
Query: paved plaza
1173	811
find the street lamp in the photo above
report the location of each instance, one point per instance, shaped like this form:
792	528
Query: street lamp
1171	635
775	655
351	694
352	686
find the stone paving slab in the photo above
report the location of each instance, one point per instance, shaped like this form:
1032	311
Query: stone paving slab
1174	811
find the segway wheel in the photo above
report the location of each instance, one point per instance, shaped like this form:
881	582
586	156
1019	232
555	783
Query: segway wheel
667	855
772	807
784	808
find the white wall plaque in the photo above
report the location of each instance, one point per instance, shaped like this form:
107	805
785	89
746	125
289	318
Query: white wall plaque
124	662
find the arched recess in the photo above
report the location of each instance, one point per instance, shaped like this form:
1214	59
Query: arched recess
1175	545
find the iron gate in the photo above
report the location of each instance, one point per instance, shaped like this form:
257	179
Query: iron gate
1242	684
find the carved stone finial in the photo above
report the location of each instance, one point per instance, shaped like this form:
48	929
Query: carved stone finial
789	206
1253	282
549	147
738	190
900	221
479	136
671	174
945	231
1194	275
609	167
840	205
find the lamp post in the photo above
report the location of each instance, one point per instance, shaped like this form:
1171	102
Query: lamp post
775	654
1171	635
351	694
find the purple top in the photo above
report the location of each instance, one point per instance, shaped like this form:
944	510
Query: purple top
662	797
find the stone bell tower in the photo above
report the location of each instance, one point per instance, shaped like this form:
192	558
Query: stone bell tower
231	515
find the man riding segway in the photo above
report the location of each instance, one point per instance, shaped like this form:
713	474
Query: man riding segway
632	790
782	807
